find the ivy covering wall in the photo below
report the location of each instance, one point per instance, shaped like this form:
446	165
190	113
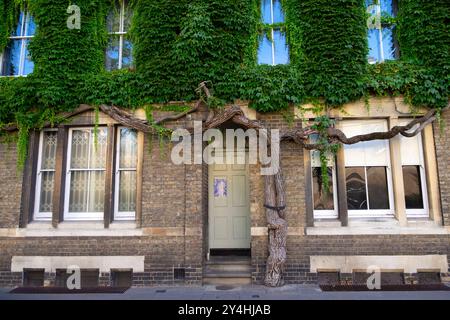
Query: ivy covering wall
179	43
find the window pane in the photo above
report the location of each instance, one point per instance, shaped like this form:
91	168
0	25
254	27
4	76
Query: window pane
388	44
31	26
281	48
356	188
128	148
127	17
278	14
46	196
97	191
11	58
413	187
49	150
386	7
80	149
127	58
113	20
265	51
322	200
374	46
78	191
28	64
18	31
127	191
112	53
377	187
98	151
266	11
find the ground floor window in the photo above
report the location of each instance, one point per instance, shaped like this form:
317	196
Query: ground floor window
88	151
324	197
363	177
414	175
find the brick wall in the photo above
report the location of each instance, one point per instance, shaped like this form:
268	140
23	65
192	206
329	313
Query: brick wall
10	187
442	141
177	197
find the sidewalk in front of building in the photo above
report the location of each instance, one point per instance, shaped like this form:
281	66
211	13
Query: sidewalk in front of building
288	292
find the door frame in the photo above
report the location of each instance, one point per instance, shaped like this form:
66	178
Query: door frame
208	190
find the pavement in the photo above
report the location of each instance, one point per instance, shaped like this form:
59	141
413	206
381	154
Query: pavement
251	292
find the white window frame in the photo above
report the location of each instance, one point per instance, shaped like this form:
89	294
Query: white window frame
375	213
326	214
23	38
272	33
77	216
420	213
121	215
121	33
38	215
380	35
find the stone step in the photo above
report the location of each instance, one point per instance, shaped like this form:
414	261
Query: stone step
228	260
226	274
227	281
228	268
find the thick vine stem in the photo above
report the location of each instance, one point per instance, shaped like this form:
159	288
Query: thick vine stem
277	229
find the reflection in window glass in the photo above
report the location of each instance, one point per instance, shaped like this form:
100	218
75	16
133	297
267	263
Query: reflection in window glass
16	60
356	188
265	51
381	41
278	14
119	49
281	48
323	200
273	48
413	187
377	187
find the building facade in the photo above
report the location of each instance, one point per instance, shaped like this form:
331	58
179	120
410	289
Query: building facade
107	199
162	222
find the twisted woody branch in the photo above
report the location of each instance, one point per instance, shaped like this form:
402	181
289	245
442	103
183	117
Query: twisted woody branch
274	194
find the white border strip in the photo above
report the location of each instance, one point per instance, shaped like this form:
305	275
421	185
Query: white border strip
409	264
103	263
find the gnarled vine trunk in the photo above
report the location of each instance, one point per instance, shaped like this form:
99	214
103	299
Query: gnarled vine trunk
277	227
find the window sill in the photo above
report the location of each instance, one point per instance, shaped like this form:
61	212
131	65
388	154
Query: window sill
376	226
74	229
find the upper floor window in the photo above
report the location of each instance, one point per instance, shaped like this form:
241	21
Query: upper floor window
273	48
119	50
382	43
15	60
368	171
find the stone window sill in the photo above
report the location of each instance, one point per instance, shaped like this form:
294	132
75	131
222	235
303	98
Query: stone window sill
375	226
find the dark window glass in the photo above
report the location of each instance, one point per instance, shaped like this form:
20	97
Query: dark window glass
356	188
322	200
377	187
11	58
413	187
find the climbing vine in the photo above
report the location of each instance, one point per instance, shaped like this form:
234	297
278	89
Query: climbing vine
178	44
